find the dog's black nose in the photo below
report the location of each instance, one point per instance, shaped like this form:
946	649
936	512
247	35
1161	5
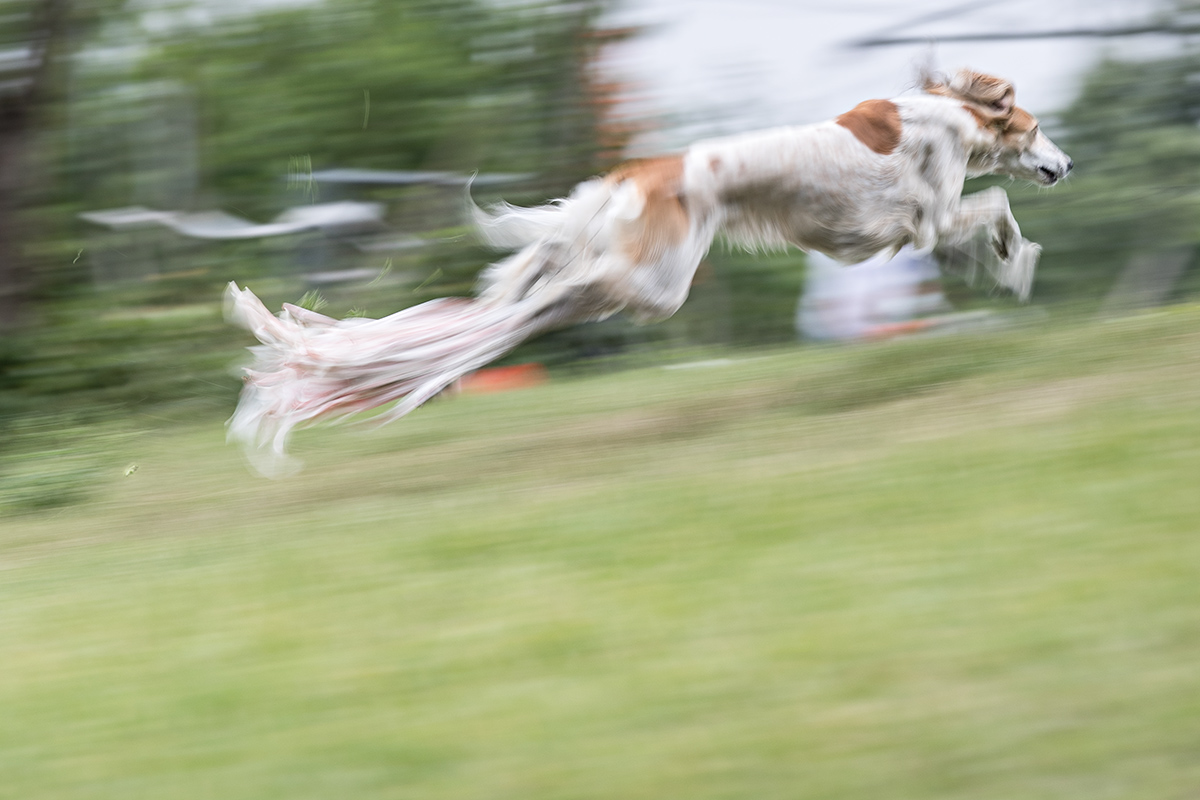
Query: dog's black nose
1070	164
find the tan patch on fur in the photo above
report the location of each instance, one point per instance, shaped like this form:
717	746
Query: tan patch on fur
875	123
993	94
663	223
981	119
990	100
1016	123
1022	122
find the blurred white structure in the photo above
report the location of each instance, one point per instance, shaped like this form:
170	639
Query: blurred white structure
724	66
329	218
878	297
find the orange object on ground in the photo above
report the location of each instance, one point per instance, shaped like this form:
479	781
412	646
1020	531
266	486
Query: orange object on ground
890	330
503	379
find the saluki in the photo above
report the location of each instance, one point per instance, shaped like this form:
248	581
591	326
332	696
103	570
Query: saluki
885	174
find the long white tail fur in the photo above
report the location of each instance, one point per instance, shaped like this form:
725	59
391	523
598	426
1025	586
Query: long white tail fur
509	227
311	367
570	234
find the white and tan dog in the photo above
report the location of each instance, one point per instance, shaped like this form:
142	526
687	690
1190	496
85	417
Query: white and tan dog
883	175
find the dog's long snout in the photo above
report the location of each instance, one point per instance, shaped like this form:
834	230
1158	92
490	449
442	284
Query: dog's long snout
1056	172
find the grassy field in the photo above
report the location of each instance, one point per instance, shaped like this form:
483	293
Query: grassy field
959	567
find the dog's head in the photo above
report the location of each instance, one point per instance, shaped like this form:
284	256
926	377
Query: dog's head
1010	142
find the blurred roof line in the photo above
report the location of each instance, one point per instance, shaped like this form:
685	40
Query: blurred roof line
414	177
1062	33
327	217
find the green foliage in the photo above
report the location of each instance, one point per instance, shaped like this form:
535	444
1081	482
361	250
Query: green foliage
389	84
55	459
758	295
238	114
124	357
312	300
1133	132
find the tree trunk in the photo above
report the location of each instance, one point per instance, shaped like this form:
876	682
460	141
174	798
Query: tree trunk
18	105
13	273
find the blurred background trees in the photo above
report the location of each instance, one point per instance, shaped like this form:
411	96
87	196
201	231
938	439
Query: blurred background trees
394	85
1133	203
192	107
36	39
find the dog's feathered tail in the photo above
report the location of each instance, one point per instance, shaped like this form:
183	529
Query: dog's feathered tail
565	234
509	227
310	367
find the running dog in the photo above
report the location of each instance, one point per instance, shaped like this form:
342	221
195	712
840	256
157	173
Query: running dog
886	174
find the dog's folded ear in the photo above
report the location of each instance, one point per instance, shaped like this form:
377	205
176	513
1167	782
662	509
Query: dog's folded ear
994	96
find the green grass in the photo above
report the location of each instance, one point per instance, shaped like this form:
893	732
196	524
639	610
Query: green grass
960	567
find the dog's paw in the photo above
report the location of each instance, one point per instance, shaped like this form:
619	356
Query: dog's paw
1000	247
1016	273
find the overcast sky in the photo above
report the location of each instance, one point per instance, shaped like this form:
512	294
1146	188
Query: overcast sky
720	66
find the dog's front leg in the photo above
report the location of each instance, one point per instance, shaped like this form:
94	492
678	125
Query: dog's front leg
1016	258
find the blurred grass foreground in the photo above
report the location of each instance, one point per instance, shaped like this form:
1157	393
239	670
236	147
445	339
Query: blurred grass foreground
962	566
